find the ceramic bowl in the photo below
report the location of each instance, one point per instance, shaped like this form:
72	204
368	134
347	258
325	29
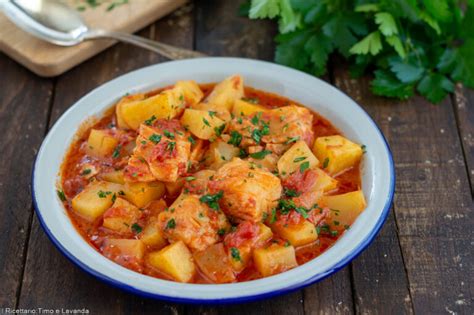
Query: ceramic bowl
377	171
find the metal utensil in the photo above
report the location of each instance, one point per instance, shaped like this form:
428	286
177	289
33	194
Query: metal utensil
57	23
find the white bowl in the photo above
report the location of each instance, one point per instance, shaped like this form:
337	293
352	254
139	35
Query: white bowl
378	177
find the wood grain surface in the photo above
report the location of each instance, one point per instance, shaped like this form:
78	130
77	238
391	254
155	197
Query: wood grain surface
420	263
48	60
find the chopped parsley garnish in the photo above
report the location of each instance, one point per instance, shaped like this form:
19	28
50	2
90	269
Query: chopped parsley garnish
219	130
121	193
285	206
235	253
155	138
255	119
191	139
221	232
116	152
204	120
149	121
336	223
257	136
114	197
325	162
304	166
291	193
212	200
143	142
61	195
171	224
260	155
364	148
136	228
103	194
292	139
168	134
190	178
299	159
265	128
334	233
235	138
212	114
242	153
239	120
252	100
87	171
170	146
287	244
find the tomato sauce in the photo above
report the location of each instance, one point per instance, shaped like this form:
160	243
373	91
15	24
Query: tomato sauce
73	181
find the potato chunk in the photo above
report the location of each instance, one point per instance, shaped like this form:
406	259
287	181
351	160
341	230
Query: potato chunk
191	91
323	181
203	124
118	108
126	252
274	259
243	108
100	143
140	194
214	264
337	153
175	260
226	93
152	235
121	216
219	153
113	177
95	199
298	157
166	105
297	234
248	191
345	208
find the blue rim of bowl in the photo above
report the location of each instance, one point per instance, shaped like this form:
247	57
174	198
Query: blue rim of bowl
316	278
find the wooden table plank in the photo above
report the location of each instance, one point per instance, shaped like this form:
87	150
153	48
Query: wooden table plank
464	108
379	278
71	287
433	205
24	105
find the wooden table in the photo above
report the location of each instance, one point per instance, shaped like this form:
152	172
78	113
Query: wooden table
421	262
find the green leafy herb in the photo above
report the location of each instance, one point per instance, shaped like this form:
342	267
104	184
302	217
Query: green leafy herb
304	166
212	200
260	155
116	153
221	232
255	119
149	121
325	162
168	134
190	178
235	253
171	224
219	130
235	138
61	195
170	146
273	217
291	193
206	122
191	139
136	228
257	136
410	45
299	159
103	194
87	171
155	138
212	114
292	139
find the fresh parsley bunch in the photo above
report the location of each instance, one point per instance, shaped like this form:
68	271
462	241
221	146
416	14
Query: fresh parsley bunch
412	45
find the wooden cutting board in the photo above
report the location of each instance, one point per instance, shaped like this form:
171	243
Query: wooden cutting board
49	60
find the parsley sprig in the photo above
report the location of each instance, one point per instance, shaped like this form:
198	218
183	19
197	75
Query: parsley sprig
411	46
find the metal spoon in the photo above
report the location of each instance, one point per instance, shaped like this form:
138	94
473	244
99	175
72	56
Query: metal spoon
57	23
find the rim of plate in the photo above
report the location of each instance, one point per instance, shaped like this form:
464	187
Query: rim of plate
88	259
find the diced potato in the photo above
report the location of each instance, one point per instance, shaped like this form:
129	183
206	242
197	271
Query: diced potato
337	153
298	154
121	216
175	260
165	105
141	194
214	264
324	182
274	259
345	208
153	236
113	177
239	257
219	153
200	123
174	188
227	92
95	199
264	234
118	108
297	234
125	248
100	143
191	90
243	108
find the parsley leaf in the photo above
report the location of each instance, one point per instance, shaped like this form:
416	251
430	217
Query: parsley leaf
435	87
136	228
155	138
260	155
235	138
212	200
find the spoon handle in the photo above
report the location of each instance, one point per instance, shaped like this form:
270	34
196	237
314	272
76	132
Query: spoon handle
167	51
